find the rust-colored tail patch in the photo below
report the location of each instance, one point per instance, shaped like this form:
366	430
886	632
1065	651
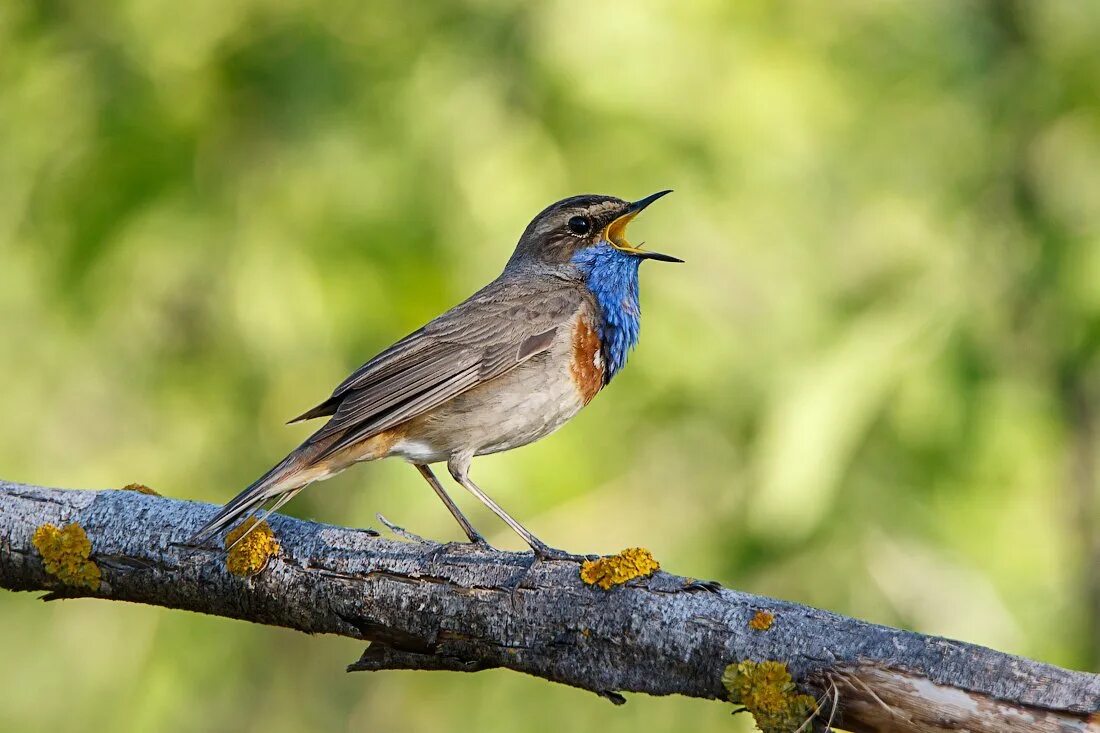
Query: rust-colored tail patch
587	366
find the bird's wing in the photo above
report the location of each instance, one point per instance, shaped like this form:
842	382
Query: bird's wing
493	331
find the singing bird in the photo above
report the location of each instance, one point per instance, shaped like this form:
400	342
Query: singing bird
506	367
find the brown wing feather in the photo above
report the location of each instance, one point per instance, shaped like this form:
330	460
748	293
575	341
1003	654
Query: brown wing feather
495	330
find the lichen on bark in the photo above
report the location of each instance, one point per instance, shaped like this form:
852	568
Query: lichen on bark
631	563
761	620
65	554
767	691
248	556
141	489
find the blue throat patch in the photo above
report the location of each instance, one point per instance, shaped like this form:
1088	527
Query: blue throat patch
612	276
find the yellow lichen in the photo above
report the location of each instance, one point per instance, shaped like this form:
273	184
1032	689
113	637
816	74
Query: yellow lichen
65	554
250	555
767	691
633	562
140	488
761	621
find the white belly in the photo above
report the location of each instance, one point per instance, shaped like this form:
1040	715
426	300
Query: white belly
528	403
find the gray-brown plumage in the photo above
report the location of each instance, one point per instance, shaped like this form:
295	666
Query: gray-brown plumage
504	368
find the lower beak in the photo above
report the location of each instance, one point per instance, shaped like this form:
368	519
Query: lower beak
647	255
615	233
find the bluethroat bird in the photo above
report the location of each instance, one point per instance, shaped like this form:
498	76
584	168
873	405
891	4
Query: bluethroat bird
506	367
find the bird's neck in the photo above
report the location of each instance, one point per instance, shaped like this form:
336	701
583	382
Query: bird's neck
612	277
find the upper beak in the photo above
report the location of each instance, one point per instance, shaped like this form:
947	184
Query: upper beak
615	233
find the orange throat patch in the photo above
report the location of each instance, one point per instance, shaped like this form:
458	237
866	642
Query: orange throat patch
587	366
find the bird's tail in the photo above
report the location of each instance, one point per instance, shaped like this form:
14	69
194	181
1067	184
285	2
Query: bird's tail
280	484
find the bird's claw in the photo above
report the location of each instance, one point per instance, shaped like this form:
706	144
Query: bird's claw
446	548
540	553
479	542
546	553
513	584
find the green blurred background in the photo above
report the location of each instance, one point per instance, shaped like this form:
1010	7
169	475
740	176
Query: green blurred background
874	386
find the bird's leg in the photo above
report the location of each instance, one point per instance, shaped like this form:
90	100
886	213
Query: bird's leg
467	527
460	470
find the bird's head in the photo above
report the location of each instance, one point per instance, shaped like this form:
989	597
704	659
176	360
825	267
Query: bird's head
579	222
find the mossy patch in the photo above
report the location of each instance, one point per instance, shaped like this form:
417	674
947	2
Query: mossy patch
65	554
251	554
761	621
767	691
140	488
631	563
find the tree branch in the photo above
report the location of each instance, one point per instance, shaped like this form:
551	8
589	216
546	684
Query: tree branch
441	607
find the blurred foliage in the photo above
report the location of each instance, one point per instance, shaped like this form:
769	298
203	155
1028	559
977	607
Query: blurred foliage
874	386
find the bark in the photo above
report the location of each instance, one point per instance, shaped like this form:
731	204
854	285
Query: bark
454	607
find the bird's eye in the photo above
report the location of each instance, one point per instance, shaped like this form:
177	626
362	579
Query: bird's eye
580	225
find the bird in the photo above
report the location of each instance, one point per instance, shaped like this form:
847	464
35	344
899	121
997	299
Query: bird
504	368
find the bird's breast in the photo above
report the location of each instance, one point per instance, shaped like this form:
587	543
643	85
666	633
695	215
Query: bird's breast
586	368
517	408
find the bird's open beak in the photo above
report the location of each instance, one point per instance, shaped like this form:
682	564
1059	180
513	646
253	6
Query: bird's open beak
615	233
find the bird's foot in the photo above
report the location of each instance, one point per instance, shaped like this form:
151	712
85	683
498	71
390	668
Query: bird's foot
478	545
476	540
546	553
447	548
513	584
541	553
